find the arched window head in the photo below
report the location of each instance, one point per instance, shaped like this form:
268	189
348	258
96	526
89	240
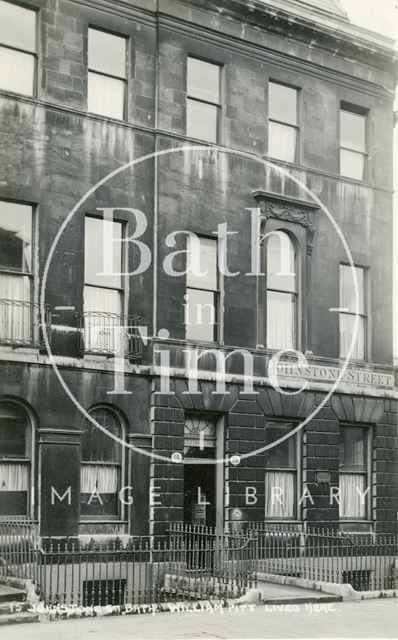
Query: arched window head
281	292
15	459
101	466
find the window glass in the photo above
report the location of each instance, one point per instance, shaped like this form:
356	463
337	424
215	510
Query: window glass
12	431
207	264
14	460
284	454
17	71
347	288
353	449
106	53
106	96
15	236
281	262
203	80
282	103
98	446
202	121
95	228
282	142
352	130
200	315
17	26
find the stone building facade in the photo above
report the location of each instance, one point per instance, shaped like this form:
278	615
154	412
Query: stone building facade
274	118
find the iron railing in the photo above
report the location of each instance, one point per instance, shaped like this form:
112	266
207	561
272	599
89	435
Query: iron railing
109	334
18	548
20	323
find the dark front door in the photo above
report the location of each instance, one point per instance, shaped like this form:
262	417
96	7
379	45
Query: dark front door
200	494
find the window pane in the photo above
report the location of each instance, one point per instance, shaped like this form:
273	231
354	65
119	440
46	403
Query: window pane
352	500
13	425
206	264
94	263
353	449
98	446
282	103
202	121
347	323
17	26
103	312
352	131
284	454
281	262
17	71
203	80
352	164
106	53
280	320
106	481
347	288
106	96
200	315
282	142
280	494
15	236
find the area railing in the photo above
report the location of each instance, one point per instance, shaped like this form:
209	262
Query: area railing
110	334
19	548
20	323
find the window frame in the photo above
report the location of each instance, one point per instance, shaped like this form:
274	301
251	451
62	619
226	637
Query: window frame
122	466
364	113
296	293
297	469
217	297
296	127
367	473
105	74
218	105
34	54
364	315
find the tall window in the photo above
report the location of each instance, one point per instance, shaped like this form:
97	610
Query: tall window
283	122
354	472
16	272
203	100
201	306
347	313
15	456
17	49
281	463
352	144
282	292
103	294
106	74
101	466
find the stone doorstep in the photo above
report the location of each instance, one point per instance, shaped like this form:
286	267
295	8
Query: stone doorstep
14	603
10	594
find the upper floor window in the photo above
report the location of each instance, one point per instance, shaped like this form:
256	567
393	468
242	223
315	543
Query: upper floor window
103	294
101	466
348	296
281	464
283	131
354	472
15	459
17	49
16	273
352	144
282	293
106	74
203	100
201	307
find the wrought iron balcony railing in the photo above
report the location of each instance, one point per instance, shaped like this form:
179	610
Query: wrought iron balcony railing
20	323
109	334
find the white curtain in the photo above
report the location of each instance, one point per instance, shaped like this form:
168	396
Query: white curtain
101	478
279	494
17	71
15	319
347	323
14	477
282	142
106	96
104	308
352	488
280	321
352	164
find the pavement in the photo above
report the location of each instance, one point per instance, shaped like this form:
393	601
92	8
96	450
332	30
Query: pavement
363	619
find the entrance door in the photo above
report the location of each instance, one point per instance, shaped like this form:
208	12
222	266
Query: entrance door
200	494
